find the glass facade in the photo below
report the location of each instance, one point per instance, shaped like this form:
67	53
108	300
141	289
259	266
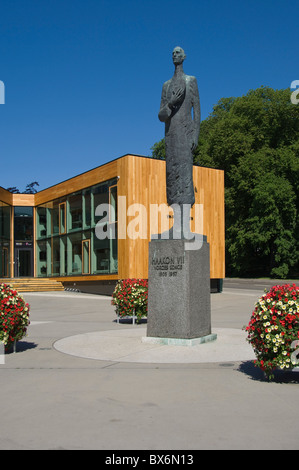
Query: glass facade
5	216
66	241
23	224
23	241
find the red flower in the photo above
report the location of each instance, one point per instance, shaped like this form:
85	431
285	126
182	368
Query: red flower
270	355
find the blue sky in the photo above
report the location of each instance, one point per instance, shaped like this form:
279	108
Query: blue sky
83	78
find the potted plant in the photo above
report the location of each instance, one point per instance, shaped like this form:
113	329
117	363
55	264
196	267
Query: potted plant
130	298
273	329
14	316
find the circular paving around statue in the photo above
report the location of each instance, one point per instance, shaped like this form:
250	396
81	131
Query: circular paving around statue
126	345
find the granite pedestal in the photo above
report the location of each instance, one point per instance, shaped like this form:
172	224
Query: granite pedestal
179	293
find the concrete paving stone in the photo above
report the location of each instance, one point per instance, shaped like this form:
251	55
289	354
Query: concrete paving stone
113	394
127	346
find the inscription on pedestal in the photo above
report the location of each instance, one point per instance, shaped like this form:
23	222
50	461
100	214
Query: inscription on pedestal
168	266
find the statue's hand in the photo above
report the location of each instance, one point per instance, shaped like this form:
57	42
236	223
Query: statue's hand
176	97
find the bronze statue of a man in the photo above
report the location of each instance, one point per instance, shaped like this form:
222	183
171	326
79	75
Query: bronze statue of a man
179	97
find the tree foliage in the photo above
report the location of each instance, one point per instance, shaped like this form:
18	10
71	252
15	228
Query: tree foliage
255	140
158	150
30	188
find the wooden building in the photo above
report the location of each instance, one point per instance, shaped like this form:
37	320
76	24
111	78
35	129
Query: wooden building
54	233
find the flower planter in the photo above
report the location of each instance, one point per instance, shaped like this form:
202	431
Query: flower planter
273	330
12	347
127	317
130	299
14	317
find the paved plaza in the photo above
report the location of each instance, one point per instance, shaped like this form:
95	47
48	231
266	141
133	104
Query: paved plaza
80	380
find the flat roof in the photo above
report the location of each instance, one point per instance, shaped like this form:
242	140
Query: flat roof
84	172
92	169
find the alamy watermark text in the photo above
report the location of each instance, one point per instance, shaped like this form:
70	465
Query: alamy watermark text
295	94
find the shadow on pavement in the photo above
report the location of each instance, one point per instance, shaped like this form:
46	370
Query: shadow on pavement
280	376
21	346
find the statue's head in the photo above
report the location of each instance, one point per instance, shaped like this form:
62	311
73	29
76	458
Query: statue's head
178	55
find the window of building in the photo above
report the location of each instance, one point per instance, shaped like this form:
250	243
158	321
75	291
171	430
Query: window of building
41	221
87	208
41	258
55	217
23	242
75	211
5	218
23	224
65	232
85	256
62	218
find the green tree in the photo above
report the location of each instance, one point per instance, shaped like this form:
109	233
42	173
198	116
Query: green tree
30	188
255	140
158	150
14	190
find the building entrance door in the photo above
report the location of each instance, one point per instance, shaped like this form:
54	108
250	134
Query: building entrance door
4	258
23	262
23	235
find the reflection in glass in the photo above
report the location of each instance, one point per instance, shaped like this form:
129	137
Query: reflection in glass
41	221
5	214
62	218
55	218
23	224
66	244
75	205
86	256
87	208
76	253
56	256
41	258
